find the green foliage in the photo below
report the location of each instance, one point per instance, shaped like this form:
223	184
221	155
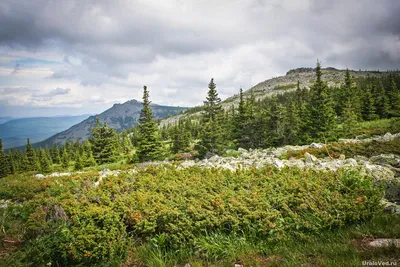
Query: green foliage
211	132
320	114
4	162
71	222
149	145
30	161
103	142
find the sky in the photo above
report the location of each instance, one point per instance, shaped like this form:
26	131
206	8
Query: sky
80	56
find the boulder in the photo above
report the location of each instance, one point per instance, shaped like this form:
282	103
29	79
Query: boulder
385	242
278	163
385	159
316	145
242	150
310	158
39	175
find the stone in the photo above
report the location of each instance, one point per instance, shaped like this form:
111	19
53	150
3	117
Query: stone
242	150
316	145
385	159
342	157
39	175
278	163
385	242
309	158
228	166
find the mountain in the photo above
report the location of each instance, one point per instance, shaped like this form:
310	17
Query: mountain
15	131
5	119
119	117
281	84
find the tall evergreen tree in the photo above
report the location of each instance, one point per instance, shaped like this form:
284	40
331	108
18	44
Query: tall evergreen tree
4	162
368	107
241	133
211	133
78	162
149	143
321	115
394	98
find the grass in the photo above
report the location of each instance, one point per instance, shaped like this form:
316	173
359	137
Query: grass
377	127
338	247
367	149
285	87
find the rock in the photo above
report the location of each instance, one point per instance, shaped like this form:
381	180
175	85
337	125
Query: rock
379	172
361	137
228	166
278	163
242	150
310	158
209	155
387	137
350	162
385	242
40	176
342	157
360	159
385	159
215	158
316	145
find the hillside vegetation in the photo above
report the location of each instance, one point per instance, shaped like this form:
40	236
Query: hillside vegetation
309	177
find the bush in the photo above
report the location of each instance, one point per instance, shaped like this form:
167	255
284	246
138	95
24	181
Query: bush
171	209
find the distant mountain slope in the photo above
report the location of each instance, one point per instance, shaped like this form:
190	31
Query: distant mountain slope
281	84
119	117
5	119
14	132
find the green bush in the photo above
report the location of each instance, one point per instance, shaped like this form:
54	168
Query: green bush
170	209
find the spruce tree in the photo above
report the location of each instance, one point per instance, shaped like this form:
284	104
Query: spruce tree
103	142
78	162
64	159
382	104
240	133
44	161
211	133
149	144
394	99
291	123
31	162
368	107
321	115
4	162
180	140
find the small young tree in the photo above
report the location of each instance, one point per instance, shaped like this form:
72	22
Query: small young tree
149	145
31	162
78	162
103	143
64	159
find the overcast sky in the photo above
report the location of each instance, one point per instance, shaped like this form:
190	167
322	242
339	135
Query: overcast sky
75	57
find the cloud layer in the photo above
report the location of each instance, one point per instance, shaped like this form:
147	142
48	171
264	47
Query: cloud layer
79	53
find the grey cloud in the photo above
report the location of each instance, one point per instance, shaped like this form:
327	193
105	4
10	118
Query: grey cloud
182	44
55	92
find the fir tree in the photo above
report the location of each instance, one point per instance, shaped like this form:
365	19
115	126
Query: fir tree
44	161
382	105
31	162
180	140
291	123
321	116
103	142
64	159
368	108
349	118
241	134
394	98
211	133
149	144
78	162
4	162
89	160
